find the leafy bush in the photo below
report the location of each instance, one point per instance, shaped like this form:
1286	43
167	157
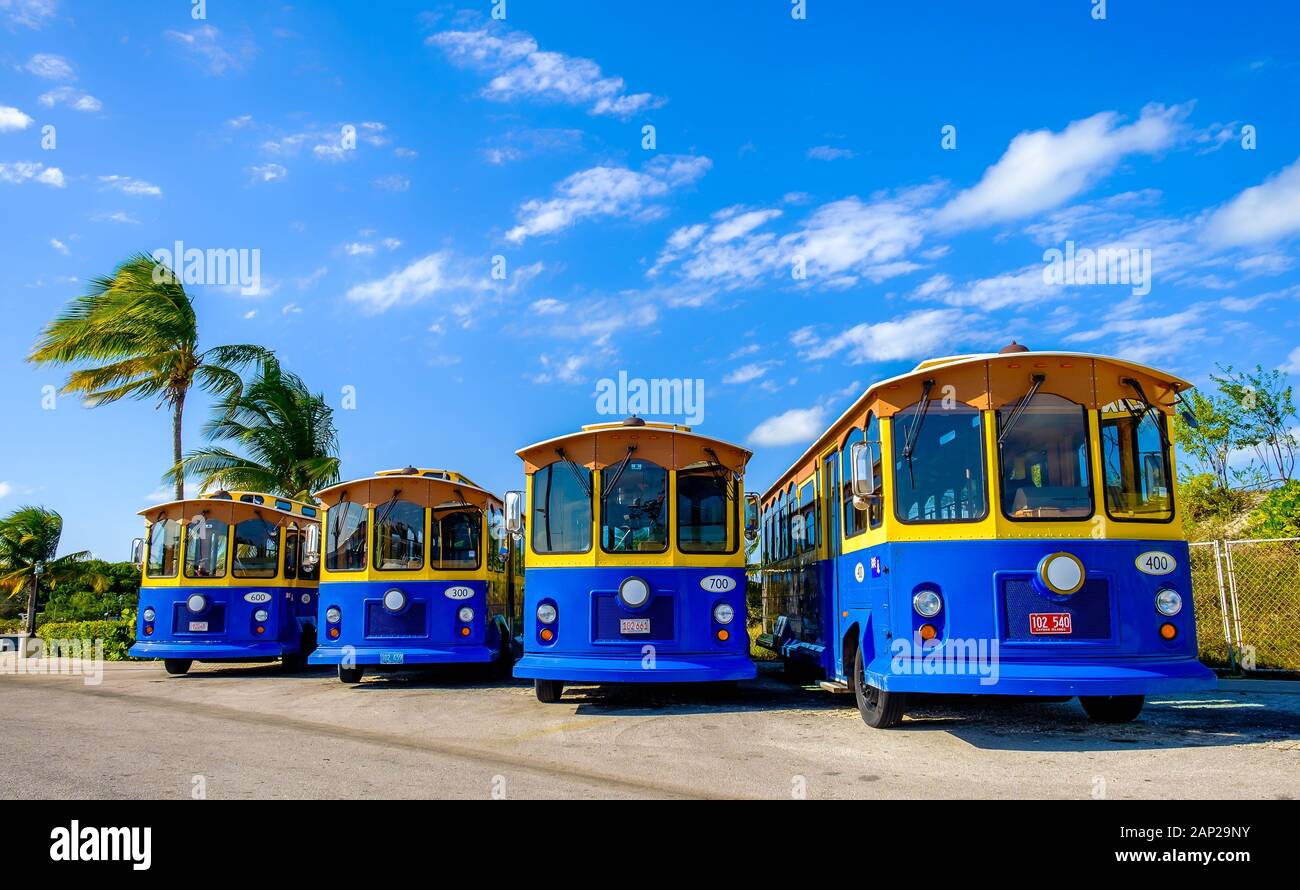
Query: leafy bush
75	601
118	635
1204	498
11	626
1278	516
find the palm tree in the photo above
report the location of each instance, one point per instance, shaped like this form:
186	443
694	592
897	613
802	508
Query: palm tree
29	544
138	330
286	431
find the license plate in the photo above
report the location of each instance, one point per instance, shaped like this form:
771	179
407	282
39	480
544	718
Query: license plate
392	657
1050	623
634	625
196	626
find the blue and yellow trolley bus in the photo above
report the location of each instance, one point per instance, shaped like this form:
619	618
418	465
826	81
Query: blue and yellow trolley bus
417	570
228	576
635	561
989	524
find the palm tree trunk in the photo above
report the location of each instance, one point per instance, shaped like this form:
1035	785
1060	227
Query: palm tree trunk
31	607
178	412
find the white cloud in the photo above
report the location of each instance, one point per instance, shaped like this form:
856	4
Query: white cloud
1145	339
73	98
562	369
1262	213
518	69
250	314
268	172
436	273
117	217
59	246
548	306
749	349
19	172
1292	365
1042	169
206	48
918	335
29	13
794	426
747	373
238	123
13	119
358	248
128	185
406	153
391	243
5	488
829	153
608	191
51	67
392	183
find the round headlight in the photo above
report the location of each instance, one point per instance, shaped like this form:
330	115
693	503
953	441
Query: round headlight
927	603
466	614
394	600
634	592
196	603
333	615
1168	602
150	614
261	615
546	613
1062	573
723	613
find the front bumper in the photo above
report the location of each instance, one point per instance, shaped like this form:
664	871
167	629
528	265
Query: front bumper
401	655
667	668
1136	676
201	651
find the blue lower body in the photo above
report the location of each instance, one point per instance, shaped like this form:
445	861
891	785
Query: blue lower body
673	637
1132	677
227	627
384	655
207	651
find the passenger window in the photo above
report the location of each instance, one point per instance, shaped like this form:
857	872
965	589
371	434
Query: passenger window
399	536
257	549
164	549
205	548
705	512
1043	457
345	537
855	517
1135	463
459	533
947	453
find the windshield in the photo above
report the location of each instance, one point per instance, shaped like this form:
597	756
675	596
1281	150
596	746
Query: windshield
345	538
561	519
205	548
945	482
1044	460
457	546
164	549
257	549
703	517
399	536
1135	462
634	516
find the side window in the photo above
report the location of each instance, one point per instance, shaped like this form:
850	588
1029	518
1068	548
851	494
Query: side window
345	537
205	548
877	509
808	513
164	549
855	519
947	454
292	539
782	528
561	516
257	549
399	536
460	539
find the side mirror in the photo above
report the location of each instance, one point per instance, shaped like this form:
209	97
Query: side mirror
311	545
137	551
862	461
751	517
514	513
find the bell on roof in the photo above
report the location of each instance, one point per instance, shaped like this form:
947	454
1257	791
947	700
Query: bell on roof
410	471
1011	347
633	420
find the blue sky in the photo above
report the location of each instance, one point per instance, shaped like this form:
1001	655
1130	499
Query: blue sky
778	141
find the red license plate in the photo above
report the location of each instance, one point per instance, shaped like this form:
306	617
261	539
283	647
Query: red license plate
1050	623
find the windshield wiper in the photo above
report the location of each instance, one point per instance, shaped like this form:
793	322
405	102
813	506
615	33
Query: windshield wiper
915	429
1147	409
618	474
1021	405
577	472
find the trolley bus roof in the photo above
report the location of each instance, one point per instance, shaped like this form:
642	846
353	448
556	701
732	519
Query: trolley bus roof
991	379
227	502
599	445
419	487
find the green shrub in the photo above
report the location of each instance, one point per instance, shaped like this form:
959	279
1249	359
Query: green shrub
1278	516
12	626
1203	497
118	636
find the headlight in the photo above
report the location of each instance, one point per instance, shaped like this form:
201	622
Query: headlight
1061	573
261	615
466	614
394	600
196	603
634	592
150	614
546	613
1168	602
927	603
723	613
333	615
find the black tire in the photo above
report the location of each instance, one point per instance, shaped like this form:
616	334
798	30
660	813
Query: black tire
1112	708
351	675
292	664
177	667
548	691
879	709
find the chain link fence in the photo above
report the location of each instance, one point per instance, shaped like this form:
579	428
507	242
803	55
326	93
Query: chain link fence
1247	596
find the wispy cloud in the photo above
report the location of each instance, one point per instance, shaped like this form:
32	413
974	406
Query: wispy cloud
12	119
517	68
1263	213
75	99
268	172
829	153
790	427
33	14
206	47
129	185
608	191
19	172
51	67
440	273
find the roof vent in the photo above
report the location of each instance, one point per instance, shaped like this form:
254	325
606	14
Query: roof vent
220	495
634	421
1011	347
410	471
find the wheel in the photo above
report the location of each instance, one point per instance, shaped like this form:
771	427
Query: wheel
351	675
1112	708
177	667
292	664
879	709
548	691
